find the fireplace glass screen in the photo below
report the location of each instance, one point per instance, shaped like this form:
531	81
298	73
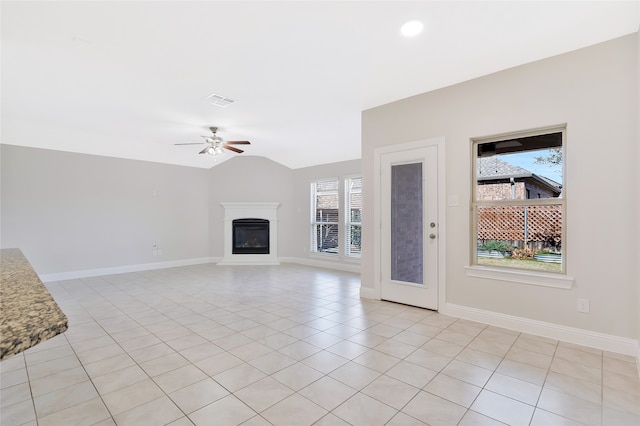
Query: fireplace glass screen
250	236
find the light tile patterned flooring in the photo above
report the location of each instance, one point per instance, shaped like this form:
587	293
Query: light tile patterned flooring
293	345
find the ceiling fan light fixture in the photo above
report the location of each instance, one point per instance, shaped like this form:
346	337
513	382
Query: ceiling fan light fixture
213	139
216	145
214	150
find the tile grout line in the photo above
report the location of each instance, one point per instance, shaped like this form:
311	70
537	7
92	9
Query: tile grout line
106	301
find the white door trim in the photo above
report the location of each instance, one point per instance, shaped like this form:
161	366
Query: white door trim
377	212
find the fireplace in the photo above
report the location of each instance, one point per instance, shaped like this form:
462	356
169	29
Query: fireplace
250	233
250	236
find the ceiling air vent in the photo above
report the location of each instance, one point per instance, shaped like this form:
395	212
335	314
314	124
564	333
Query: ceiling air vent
219	100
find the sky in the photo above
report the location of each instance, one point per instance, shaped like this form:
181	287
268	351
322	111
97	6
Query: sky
526	160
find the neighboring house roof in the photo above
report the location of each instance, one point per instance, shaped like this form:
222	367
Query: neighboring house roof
550	182
492	168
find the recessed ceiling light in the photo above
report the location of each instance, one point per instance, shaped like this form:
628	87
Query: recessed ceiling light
412	28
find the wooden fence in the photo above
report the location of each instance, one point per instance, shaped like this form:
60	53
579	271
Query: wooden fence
542	224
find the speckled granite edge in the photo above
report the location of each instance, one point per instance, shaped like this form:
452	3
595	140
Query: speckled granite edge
28	313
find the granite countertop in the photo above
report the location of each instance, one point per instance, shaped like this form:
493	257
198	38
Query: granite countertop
28	313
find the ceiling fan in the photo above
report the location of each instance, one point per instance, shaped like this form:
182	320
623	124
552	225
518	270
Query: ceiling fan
215	144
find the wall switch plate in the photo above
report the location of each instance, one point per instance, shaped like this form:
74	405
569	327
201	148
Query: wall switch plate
583	306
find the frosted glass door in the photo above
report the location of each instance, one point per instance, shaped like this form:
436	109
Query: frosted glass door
409	226
406	223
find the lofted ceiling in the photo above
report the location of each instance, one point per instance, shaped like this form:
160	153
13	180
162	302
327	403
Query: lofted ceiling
130	79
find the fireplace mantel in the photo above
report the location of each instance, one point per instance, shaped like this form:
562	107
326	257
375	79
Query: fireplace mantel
254	210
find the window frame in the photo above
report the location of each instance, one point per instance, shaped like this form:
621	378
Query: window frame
348	223
521	275
314	223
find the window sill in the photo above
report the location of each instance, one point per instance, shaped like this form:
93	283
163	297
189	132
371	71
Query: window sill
521	277
335	256
323	254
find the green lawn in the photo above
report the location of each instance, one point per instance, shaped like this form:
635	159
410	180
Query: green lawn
530	264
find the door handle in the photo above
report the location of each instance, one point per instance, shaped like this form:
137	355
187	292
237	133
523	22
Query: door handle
432	236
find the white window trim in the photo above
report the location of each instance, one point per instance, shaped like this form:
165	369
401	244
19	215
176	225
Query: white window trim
347	217
341	223
522	276
314	223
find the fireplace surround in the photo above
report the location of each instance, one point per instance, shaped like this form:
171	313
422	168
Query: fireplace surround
251	216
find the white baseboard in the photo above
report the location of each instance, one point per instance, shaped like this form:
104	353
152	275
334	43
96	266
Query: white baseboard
86	273
574	335
368	293
246	263
61	276
346	267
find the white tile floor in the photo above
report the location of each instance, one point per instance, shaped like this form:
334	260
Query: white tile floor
293	345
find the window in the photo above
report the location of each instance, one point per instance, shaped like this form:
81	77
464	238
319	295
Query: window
510	228
353	216
325	201
336	216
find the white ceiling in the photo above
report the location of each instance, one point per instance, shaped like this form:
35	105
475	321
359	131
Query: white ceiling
129	79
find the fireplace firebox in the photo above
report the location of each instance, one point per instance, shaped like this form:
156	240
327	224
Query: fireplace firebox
266	211
250	236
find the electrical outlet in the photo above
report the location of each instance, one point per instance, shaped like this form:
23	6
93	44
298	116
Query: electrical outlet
583	306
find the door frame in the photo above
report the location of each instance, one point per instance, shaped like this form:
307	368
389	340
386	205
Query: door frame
439	142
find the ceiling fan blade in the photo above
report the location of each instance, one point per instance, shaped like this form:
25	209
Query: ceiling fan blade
238	142
204	150
231	148
189	143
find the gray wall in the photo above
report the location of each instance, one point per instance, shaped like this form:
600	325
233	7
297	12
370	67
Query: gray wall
250	178
302	214
593	90
73	212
